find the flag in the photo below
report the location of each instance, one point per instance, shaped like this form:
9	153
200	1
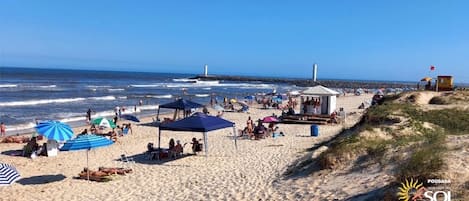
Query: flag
432	67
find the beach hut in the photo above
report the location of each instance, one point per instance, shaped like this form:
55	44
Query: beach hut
199	122
178	105
318	100
444	83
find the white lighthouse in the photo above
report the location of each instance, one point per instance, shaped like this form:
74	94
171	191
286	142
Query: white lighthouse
205	70
315	72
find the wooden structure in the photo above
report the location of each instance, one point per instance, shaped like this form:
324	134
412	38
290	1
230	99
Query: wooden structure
444	83
316	106
325	97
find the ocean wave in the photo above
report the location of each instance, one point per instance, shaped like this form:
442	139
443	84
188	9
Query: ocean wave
49	101
19	127
122	97
98	86
8	85
118	89
103	98
48	86
202	95
159	96
146	85
184	80
231	85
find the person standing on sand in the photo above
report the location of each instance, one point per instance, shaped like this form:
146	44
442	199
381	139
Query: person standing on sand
250	125
3	129
88	115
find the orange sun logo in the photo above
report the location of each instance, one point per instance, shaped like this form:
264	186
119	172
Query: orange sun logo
411	191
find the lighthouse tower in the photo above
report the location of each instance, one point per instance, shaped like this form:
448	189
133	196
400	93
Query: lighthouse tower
315	72
205	70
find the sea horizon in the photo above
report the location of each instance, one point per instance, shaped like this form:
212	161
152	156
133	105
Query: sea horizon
240	75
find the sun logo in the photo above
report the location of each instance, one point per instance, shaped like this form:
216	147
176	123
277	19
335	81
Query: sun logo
411	191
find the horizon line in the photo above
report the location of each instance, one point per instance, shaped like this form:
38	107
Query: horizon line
198	74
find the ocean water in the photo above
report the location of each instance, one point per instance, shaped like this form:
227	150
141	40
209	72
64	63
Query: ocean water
28	94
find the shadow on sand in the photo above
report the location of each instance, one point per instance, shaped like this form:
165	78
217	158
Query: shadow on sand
43	179
18	153
145	159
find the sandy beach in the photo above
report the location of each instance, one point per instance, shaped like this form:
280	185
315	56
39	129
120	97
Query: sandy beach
253	172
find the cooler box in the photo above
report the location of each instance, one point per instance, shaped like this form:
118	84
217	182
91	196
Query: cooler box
52	148
314	130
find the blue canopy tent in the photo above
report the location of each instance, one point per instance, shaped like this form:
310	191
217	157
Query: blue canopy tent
180	104
199	122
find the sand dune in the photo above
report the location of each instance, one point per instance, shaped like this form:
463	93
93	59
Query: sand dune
252	172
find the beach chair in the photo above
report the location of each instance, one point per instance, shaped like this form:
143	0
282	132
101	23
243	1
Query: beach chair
125	131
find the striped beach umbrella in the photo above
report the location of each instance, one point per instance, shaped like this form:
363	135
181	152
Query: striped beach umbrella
8	174
86	142
101	121
55	130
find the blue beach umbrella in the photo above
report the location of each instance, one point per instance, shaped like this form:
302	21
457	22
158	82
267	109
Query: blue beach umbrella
8	174
55	130
86	142
130	117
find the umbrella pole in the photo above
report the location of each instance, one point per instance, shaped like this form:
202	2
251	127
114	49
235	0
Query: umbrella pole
235	137
87	165
206	144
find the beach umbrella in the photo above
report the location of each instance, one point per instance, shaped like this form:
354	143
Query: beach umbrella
130	117
101	121
86	142
55	130
270	119
8	174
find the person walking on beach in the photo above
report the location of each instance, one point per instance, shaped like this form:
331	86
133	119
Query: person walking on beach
88	115
3	129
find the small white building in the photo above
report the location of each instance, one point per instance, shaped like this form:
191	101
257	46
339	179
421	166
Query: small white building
318	100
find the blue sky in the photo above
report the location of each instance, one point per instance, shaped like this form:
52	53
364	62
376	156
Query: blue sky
379	40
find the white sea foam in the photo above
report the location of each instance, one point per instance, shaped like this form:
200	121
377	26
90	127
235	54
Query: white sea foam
204	85
103	98
118	89
146	85
8	85
48	101
159	96
202	95
122	97
20	127
184	80
48	86
98	86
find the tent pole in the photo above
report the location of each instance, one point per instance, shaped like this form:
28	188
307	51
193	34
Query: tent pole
159	139
175	113
235	137
206	145
158	114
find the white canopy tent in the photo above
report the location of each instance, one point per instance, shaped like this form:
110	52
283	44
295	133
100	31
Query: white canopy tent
318	100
